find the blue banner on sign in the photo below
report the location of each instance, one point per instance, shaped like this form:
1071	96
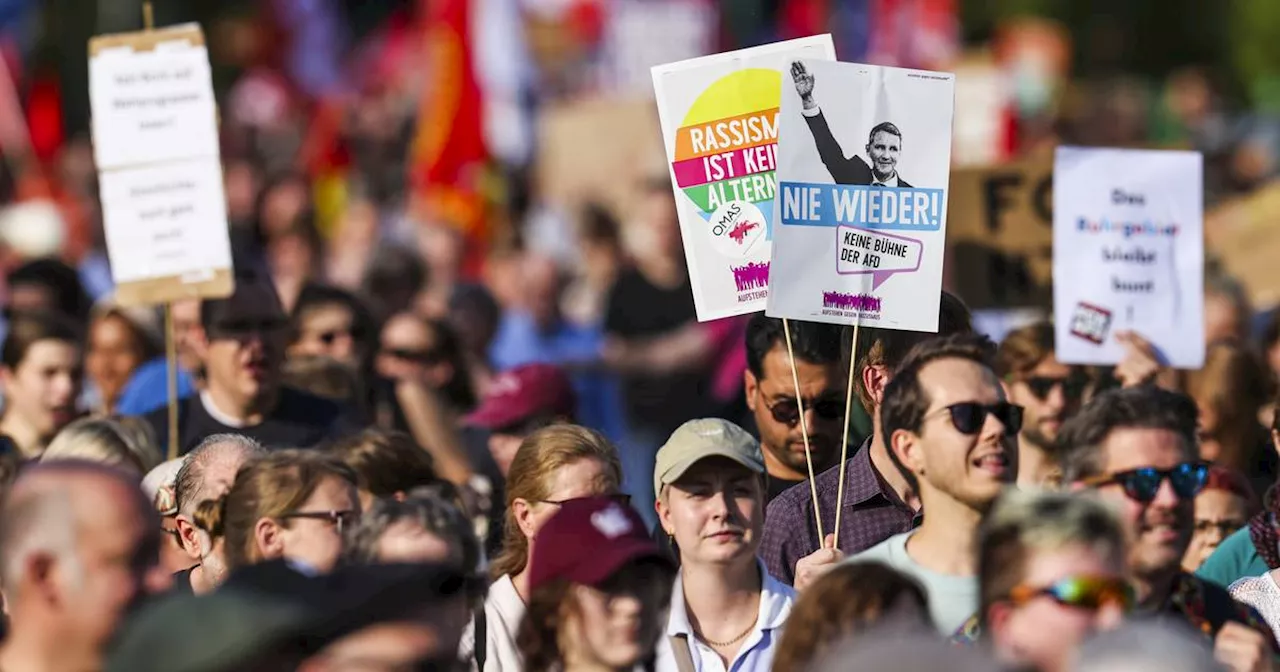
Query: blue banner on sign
877	208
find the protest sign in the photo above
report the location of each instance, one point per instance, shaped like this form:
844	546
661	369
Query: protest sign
1000	234
719	117
861	240
155	138
1128	243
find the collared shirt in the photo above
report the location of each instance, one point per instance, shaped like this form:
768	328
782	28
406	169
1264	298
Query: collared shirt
872	513
756	653
891	182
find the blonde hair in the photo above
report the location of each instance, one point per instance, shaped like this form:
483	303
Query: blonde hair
540	456
270	486
103	440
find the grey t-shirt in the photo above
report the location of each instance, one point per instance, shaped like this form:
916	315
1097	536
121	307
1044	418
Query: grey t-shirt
952	599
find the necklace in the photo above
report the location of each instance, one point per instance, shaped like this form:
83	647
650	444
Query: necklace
735	640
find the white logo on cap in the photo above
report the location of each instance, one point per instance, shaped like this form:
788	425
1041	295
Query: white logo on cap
611	522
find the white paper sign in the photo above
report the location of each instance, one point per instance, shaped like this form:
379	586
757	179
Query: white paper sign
161	221
719	118
1128	253
152	106
864	156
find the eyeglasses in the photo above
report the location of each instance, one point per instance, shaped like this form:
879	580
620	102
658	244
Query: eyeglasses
339	519
1073	385
620	498
243	329
968	417
1081	592
1141	485
1224	528
787	411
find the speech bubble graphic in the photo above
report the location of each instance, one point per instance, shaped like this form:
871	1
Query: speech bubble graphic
880	254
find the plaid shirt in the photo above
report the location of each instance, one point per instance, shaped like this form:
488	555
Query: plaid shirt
1204	606
872	513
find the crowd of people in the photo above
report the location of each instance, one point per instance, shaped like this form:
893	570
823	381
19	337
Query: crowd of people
368	479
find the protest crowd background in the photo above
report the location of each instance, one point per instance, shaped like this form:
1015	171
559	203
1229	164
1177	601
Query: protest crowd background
459	413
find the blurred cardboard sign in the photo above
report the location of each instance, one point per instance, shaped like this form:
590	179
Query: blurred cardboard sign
155	137
598	151
1241	235
1000	235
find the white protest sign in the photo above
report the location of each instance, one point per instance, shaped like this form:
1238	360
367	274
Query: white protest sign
1128	253
719	117
864	157
155	138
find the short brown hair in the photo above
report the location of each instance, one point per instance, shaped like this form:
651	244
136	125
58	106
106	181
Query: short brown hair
1023	349
905	399
1144	407
889	347
28	328
844	602
385	462
270	486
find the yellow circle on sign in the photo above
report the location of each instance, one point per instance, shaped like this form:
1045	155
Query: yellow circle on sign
736	94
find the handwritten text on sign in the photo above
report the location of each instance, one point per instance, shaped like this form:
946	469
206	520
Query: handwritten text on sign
881	208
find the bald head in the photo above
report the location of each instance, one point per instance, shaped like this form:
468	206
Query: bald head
210	468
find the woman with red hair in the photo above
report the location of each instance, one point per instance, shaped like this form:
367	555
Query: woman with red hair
1222	507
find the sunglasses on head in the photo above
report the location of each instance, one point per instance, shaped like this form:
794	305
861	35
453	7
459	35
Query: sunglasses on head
787	411
1082	592
1141	485
1073	385
969	417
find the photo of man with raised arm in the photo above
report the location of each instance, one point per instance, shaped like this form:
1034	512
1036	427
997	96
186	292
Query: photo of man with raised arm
884	143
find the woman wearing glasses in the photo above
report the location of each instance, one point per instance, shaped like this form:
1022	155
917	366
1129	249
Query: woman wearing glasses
290	504
1051	570
553	465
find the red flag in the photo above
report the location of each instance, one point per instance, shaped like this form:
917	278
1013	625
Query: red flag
449	150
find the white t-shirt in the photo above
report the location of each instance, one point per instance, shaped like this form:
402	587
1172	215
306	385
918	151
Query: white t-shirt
503	610
952	599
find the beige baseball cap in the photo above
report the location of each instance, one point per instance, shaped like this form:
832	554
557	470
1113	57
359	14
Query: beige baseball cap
699	439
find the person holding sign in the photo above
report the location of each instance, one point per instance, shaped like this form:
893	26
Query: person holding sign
884	142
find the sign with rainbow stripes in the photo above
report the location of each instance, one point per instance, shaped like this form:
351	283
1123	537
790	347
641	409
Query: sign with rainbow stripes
719	118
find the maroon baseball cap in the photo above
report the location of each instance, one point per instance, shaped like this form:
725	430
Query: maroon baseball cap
589	539
523	393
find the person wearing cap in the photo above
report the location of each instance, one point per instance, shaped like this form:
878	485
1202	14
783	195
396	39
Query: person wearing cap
597	610
726	611
520	402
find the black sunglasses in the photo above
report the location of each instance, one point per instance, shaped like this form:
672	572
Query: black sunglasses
1141	485
787	411
339	519
969	416
416	356
1073	385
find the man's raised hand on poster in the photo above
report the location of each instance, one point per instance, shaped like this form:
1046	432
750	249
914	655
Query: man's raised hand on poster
804	84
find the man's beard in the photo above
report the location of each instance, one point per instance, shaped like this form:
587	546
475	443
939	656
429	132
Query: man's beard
1037	438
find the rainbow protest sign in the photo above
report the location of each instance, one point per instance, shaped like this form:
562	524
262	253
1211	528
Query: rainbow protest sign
720	122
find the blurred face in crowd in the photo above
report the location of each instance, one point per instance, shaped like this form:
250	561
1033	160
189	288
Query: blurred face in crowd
772	400
283	205
1162	527
32	297
969	469
582	478
328	330
504	442
1218	513
42	390
655	231
715	512
1038	627
312	535
615	625
542	290
1049	394
245	345
409	352
218	476
408	541
114	352
1221	318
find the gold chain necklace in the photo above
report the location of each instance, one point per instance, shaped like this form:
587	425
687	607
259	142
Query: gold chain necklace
735	640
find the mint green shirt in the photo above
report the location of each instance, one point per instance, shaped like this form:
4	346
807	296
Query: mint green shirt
1234	559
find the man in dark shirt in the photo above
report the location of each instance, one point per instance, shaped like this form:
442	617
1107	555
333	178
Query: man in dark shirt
241	345
878	503
771	396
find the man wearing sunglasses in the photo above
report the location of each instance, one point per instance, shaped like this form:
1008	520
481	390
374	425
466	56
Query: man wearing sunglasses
1048	391
1051	571
241	346
1137	447
952	433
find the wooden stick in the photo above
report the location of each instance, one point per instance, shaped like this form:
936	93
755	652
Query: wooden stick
844	442
804	429
148	18
171	371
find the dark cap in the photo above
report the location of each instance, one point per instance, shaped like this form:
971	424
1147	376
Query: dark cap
524	393
587	540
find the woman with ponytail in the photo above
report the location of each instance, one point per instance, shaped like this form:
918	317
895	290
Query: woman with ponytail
290	504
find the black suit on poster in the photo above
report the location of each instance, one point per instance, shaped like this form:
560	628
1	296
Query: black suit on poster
844	170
